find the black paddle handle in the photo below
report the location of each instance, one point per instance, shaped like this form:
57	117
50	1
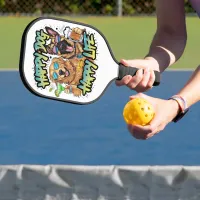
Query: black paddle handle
123	71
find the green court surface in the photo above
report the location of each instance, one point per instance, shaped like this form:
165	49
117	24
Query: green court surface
129	38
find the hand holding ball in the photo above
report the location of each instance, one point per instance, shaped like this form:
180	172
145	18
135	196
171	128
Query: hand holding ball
138	112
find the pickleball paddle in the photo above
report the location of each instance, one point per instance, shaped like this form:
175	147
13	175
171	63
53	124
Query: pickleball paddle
68	61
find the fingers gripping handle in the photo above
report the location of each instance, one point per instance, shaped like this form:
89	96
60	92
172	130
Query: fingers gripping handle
123	71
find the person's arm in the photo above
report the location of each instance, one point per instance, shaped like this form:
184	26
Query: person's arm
167	110
170	38
167	46
191	91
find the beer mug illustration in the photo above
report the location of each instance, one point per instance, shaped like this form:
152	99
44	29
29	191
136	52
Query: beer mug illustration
74	34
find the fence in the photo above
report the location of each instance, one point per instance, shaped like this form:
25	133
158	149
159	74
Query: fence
81	7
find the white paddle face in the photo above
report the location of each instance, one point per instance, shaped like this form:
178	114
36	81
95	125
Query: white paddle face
67	61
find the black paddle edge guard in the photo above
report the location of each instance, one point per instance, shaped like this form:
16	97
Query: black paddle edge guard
124	71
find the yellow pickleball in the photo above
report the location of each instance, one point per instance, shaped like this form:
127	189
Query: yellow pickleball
138	112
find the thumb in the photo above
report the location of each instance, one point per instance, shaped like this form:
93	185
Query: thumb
139	95
150	99
134	63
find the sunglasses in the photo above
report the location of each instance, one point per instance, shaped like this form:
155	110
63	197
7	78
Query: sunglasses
56	67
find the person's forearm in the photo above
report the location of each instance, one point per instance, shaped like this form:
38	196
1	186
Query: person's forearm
191	91
167	47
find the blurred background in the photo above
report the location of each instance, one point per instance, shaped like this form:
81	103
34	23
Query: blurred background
81	7
34	130
128	25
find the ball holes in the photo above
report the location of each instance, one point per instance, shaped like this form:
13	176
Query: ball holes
146	115
142	109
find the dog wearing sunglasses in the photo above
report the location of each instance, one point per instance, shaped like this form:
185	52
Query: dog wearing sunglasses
62	46
68	72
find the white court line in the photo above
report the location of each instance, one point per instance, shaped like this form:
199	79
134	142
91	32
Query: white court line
8	70
179	69
174	70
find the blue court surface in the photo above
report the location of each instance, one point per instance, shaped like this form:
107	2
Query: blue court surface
35	130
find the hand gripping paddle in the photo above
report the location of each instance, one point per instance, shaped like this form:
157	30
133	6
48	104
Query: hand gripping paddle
68	61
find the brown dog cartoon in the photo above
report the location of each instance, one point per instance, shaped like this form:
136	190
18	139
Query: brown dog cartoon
67	47
68	72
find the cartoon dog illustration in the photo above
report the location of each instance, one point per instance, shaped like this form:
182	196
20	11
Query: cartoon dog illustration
68	72
66	47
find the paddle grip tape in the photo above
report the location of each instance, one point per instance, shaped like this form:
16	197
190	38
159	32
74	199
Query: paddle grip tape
124	71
